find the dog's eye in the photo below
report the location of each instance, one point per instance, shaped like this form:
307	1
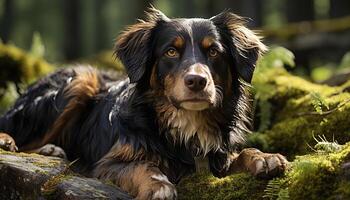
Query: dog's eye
172	53
213	52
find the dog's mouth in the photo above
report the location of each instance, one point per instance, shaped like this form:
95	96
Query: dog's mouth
195	104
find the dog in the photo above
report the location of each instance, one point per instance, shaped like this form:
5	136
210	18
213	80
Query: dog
184	107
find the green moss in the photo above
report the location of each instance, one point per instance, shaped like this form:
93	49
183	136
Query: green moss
48	189
314	176
294	120
17	65
310	177
206	186
8	97
318	176
47	164
18	69
36	159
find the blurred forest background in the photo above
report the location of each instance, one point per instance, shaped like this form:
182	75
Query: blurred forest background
301	87
61	32
316	31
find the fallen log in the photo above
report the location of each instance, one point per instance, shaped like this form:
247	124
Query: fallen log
32	176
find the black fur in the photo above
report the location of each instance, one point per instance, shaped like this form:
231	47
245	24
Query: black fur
245	48
123	111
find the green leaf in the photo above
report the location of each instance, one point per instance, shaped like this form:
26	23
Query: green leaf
276	57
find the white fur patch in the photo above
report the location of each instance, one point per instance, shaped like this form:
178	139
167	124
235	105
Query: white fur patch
187	125
20	107
36	100
161	177
165	192
110	115
260	166
272	162
69	80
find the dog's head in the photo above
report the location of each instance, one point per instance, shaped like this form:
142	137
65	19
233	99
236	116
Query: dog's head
192	62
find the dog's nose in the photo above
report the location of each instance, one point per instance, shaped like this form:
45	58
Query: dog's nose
195	82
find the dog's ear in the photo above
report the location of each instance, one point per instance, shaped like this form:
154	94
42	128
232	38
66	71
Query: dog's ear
244	45
134	46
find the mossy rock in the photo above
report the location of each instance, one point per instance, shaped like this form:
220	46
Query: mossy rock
206	186
33	176
316	176
295	115
18	69
18	66
319	175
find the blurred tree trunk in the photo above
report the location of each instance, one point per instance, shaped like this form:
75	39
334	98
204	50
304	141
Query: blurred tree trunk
140	7
300	10
7	20
101	32
73	39
210	8
189	8
253	10
235	6
339	8
247	8
184	8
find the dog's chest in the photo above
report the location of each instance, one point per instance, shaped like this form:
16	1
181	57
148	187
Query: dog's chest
193	129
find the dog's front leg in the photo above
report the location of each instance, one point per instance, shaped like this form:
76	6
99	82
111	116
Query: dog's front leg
262	165
139	177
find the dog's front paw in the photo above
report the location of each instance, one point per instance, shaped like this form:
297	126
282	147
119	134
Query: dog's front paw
165	191
263	165
160	189
7	143
51	150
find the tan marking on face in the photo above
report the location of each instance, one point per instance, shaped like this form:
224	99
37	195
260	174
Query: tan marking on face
207	42
187	125
179	42
176	89
191	122
169	82
198	69
174	86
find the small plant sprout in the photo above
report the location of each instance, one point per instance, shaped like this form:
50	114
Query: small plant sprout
318	102
324	146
